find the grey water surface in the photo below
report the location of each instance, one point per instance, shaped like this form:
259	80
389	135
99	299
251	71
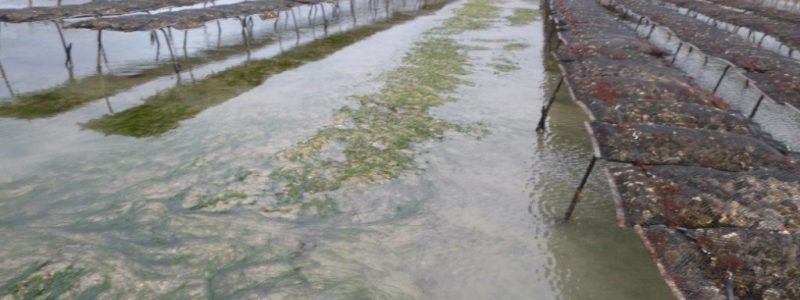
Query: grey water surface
478	218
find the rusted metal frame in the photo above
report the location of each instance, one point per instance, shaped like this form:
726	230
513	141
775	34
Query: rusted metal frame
93	12
665	273
596	148
726	62
737	27
618	202
173	19
563	80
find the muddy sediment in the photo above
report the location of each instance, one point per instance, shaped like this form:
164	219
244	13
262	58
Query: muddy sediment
713	197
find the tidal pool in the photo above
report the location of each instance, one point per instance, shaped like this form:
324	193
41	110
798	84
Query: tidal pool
389	153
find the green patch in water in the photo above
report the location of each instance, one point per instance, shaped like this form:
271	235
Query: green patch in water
376	137
211	202
504	65
523	16
34	283
486	40
75	94
95	291
474	15
243	174
164	111
515	46
374	140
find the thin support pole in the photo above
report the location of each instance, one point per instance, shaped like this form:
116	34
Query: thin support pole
99	51
652	28
108	105
638	23
7	82
250	25
576	198
296	28
185	41
761	40
175	64
67	47
219	34
311	10
324	17
546	109
275	24
755	108
553	32
729	286
680	45
558	44
353	11
725	72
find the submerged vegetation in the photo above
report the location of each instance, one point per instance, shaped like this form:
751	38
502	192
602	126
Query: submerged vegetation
35	283
474	15
375	139
504	65
515	46
162	112
73	94
523	16
208	202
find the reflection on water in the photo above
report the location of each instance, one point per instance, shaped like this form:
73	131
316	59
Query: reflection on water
163	111
189	213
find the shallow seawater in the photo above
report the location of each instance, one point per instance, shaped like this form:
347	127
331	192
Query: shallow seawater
401	162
